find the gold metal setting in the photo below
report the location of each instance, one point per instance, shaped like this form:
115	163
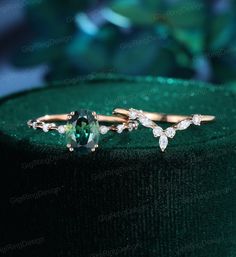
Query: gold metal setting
126	119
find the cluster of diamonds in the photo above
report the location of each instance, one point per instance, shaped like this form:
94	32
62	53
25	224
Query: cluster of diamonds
138	115
102	129
119	128
47	126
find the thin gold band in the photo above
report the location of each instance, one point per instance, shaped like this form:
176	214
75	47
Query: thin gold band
121	116
172	118
47	122
66	117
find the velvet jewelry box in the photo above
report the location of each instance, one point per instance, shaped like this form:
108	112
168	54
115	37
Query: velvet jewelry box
127	198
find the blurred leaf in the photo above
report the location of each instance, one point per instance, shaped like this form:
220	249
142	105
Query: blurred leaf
184	29
225	70
41	51
164	63
185	15
186	22
192	39
136	55
87	54
137	14
153	4
221	32
51	22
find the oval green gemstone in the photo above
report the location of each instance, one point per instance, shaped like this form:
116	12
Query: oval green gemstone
82	130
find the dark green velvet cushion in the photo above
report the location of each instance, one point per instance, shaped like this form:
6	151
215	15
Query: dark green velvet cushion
127	198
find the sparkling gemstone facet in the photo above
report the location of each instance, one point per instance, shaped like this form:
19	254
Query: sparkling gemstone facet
130	126
61	129
145	121
133	114
163	142
45	127
82	131
170	132
196	119
183	124
104	130
120	128
34	125
157	131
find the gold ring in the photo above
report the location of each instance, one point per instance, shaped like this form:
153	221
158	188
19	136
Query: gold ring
181	122
82	127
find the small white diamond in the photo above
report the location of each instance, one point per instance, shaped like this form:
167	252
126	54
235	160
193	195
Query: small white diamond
145	121
120	128
133	114
157	131
34	125
45	127
163	142
170	132
61	129
197	119
104	130
131	126
183	124
135	124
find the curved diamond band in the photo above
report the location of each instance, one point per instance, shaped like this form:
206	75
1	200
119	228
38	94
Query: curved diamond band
181	122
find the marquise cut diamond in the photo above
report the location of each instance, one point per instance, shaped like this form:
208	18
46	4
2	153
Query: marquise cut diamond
145	121
164	135
34	125
170	132
133	114
183	124
157	131
163	142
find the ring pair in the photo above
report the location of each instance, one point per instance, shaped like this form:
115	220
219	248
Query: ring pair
83	127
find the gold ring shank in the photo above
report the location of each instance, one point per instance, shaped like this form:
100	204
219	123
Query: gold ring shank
48	122
106	118
65	117
172	118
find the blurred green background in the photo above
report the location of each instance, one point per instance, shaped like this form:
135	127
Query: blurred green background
170	38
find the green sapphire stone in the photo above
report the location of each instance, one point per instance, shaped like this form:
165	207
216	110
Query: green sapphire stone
82	130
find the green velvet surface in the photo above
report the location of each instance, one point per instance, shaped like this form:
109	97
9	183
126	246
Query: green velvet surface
127	198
